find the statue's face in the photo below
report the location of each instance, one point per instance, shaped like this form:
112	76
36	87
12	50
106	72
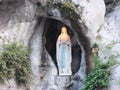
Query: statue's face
64	30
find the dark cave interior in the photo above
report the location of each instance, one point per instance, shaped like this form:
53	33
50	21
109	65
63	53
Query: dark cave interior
52	31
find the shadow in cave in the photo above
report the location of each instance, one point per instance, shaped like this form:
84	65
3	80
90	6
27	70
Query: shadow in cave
52	31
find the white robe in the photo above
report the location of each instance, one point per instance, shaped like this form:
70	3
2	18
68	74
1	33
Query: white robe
64	57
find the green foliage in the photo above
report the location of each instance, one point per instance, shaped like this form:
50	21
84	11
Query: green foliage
118	82
110	46
14	63
116	1
98	77
112	61
95	45
96	60
68	9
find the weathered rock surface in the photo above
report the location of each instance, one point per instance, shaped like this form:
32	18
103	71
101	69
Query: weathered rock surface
110	43
18	22
29	30
105	31
92	14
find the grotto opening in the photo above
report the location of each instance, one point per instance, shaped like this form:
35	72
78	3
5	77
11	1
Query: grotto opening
52	31
43	47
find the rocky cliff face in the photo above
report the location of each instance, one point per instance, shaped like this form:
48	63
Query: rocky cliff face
33	21
110	36
104	29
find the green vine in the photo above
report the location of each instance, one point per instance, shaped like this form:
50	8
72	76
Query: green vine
14	63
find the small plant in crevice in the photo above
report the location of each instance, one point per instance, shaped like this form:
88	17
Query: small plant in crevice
68	9
112	61
118	82
98	37
95	45
14	63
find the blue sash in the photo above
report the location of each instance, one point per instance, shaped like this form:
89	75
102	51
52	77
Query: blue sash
63	55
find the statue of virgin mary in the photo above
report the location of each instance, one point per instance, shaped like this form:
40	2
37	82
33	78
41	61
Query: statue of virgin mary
63	54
